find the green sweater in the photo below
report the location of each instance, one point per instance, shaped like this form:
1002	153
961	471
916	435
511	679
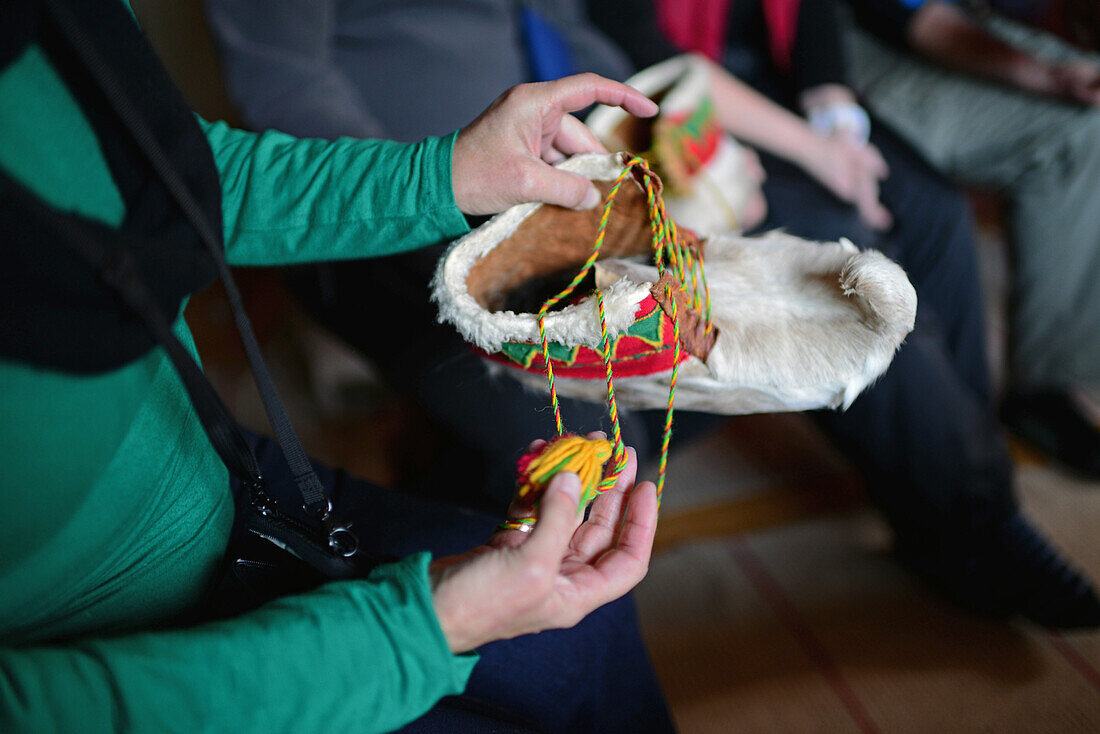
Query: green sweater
116	511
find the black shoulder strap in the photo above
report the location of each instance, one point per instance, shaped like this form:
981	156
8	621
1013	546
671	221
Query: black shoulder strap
118	270
109	252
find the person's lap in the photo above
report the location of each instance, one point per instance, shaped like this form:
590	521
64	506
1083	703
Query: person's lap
924	433
594	677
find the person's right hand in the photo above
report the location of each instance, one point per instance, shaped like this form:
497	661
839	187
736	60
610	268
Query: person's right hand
504	157
553	576
851	171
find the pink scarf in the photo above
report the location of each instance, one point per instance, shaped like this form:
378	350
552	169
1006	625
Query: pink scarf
702	25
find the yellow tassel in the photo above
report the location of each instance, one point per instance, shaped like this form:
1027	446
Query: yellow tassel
585	457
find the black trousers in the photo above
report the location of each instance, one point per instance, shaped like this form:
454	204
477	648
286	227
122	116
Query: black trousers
595	677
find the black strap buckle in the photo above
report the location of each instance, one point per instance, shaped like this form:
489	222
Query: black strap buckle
341	540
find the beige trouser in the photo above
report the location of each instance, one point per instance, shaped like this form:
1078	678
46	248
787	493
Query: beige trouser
1044	157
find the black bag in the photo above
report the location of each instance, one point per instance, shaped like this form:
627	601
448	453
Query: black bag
272	551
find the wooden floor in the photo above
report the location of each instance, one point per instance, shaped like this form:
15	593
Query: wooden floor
806	624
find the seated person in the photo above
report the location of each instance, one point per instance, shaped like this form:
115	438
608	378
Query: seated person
1026	125
118	510
924	435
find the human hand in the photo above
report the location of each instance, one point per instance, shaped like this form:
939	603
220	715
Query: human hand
552	577
852	171
1078	81
833	108
503	157
754	206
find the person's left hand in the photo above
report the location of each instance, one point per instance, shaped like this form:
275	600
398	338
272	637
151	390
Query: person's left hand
852	171
503	157
549	578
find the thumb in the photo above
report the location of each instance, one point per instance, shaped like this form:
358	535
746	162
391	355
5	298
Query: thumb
873	213
570	190
558	517
875	162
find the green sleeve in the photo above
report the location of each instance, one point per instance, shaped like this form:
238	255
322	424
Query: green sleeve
363	656
287	200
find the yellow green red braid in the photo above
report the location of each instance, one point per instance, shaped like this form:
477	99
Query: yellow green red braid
585	456
554	300
666	435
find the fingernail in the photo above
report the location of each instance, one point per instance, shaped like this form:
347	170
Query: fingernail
569	483
591	199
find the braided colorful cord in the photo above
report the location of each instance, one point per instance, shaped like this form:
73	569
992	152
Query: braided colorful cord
671	256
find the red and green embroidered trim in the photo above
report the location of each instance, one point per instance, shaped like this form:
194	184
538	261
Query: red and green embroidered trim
643	349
